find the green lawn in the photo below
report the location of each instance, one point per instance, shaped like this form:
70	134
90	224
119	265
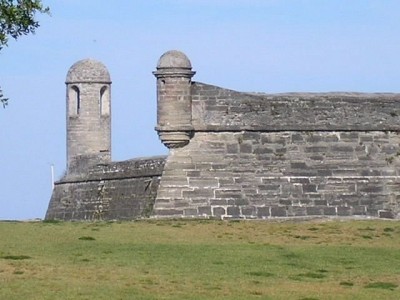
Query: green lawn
200	259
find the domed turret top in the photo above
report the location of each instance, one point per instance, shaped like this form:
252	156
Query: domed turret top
88	70
174	59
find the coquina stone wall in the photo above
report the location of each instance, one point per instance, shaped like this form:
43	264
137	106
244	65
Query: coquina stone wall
252	174
255	155
94	188
114	191
232	154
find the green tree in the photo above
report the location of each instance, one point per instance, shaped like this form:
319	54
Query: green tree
17	18
3	100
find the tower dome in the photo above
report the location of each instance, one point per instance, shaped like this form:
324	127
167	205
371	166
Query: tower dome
88	70
174	59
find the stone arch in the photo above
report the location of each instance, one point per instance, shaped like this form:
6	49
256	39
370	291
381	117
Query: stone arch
104	101
74	100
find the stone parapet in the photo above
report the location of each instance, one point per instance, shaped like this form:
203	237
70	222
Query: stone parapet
218	109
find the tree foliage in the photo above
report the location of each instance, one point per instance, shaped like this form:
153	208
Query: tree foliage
3	100
17	18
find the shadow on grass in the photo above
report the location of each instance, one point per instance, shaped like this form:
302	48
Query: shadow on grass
16	257
260	274
381	285
87	238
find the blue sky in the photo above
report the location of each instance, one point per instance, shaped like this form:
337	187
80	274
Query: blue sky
246	45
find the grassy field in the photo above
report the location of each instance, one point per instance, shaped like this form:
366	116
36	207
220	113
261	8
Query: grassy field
200	259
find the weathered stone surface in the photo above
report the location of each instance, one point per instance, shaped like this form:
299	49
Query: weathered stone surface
123	190
235	111
88	115
256	181
234	154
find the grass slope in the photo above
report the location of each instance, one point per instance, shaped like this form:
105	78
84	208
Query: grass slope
199	259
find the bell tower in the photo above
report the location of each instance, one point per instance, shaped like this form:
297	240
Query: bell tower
88	96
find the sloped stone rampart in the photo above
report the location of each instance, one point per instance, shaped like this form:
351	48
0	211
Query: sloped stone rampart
123	190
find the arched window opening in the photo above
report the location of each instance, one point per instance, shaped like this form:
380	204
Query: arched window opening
74	101
104	101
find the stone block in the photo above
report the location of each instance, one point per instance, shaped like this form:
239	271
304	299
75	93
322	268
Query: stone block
233	211
228	194
204	210
317	157
297	137
218	166
366	200
359	210
305	201
350	200
174	181
370	188
303	180
263	150
248	211
344	211
297	211
241	201
314	138
252	136
273	139
219	211
280	152
329	138
298	165
190	212
309	188
285	202
222	202
387	214
203	182
366	137
294	190
314	211
168	212
193	173
324	172
246	148
329	210
316	149
342	148
263	212
180	203
320	202
301	173
278	211
269	187
199	193
349	136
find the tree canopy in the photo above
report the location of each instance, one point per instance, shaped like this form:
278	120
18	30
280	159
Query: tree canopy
17	18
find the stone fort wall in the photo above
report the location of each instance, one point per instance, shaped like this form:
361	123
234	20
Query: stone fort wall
112	191
249	155
260	156
286	155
